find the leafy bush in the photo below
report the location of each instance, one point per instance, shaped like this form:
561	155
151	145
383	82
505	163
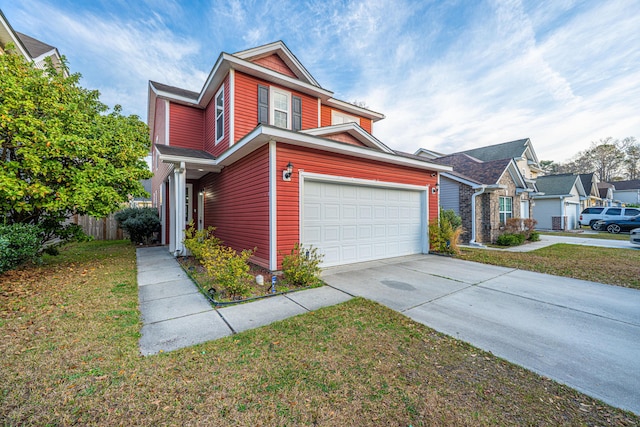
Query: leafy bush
19	243
302	266
534	236
444	235
520	226
511	239
228	269
197	241
139	223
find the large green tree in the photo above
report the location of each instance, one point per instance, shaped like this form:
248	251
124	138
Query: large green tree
61	151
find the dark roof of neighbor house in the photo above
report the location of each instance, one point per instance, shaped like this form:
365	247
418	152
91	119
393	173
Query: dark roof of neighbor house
587	181
175	90
183	152
603	192
633	184
505	150
468	167
34	46
556	184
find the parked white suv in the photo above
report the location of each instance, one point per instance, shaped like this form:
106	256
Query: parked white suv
589	216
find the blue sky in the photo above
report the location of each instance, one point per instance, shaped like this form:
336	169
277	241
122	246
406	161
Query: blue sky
448	75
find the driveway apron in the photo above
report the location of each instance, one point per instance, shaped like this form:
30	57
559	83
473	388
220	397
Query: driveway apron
580	333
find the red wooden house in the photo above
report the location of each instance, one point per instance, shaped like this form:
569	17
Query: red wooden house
270	158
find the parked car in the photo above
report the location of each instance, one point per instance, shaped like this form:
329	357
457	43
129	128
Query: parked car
591	216
617	225
634	236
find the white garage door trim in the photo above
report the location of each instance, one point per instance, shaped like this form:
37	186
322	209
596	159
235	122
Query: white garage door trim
424	206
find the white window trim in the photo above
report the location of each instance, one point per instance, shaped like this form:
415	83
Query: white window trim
345	118
272	109
500	211
215	101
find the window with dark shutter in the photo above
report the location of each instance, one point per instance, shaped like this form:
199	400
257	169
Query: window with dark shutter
297	112
263	104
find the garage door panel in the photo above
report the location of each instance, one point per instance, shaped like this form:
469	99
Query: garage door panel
351	223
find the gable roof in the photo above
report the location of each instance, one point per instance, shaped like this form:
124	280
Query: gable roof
35	47
559	185
352	129
505	150
241	61
470	168
283	52
589	181
633	184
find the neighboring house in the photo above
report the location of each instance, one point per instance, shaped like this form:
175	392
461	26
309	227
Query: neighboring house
487	186
268	157
31	49
142	202
627	192
606	193
590	186
557	205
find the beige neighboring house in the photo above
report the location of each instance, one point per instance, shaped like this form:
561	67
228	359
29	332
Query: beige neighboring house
559	202
30	48
592	193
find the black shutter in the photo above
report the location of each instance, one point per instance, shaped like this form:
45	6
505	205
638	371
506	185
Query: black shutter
297	112
263	104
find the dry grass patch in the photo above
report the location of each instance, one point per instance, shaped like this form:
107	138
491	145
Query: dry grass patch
605	265
70	332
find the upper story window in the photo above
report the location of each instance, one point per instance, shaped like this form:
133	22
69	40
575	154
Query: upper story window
220	114
338	118
279	108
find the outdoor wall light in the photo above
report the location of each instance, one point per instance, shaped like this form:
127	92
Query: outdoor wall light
286	174
435	189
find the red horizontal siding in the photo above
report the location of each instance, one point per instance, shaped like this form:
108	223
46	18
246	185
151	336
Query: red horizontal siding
346	138
275	63
186	127
316	161
246	105
325	118
237	204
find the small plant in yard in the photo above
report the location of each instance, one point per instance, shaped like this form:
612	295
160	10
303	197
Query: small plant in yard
197	241
517	230
510	239
229	270
139	223
19	243
302	266
445	233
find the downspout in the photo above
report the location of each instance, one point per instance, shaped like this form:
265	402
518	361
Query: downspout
473	242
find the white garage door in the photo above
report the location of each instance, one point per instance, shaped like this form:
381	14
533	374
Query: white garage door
352	223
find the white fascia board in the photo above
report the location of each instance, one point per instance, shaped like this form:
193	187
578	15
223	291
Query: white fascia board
552	196
204	164
462	180
8	31
352	129
275	47
173	96
262	134
346	106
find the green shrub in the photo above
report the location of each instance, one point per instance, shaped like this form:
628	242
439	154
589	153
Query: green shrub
228	269
511	239
197	241
302	266
444	235
19	243
534	236
139	223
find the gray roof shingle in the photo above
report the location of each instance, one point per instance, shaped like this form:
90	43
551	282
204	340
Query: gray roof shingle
505	150
34	46
556	184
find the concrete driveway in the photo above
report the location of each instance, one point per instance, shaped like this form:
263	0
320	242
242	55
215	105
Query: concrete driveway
583	334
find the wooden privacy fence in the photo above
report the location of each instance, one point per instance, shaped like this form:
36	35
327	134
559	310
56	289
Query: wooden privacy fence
100	228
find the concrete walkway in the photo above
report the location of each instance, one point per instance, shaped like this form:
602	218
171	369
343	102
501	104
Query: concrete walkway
176	315
583	334
579	239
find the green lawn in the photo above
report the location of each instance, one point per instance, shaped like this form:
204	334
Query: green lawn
70	356
606	265
590	234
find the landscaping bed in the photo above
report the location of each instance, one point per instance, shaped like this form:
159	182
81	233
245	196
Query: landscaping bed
219	297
